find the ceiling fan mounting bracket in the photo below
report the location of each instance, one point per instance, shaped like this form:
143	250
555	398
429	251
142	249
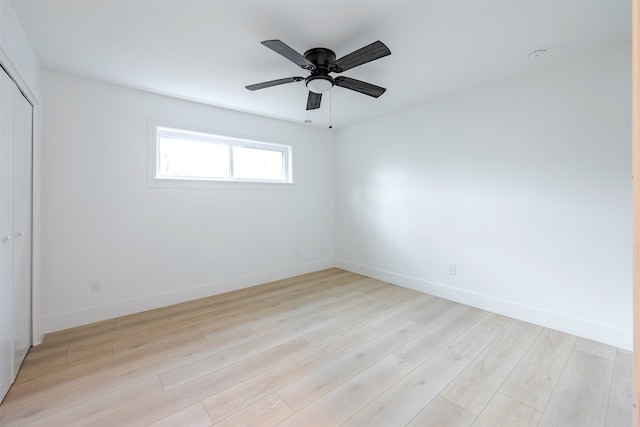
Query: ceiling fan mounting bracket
321	57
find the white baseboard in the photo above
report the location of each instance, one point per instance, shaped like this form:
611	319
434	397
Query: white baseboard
122	308
622	338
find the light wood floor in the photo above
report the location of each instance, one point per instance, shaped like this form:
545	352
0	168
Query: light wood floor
328	348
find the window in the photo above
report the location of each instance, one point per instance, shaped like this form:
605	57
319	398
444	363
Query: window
182	154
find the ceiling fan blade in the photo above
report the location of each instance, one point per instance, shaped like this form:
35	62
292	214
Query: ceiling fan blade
274	83
280	47
313	101
359	86
361	56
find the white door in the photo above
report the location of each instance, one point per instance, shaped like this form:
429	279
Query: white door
6	232
22	165
16	123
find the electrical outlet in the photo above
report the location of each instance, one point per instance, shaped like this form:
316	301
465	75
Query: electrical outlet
96	286
452	269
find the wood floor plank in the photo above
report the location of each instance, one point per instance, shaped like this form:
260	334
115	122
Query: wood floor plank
193	370
324	343
440	412
324	280
340	404
154	346
266	412
620	407
349	341
532	381
52	403
479	336
255	350
439	335
229	337
503	411
402	311
404	400
90	383
596	348
105	374
580	397
101	333
178	398
308	301
192	416
73	335
309	388
237	397
436	313
244	393
36	359
363	289
372	303
143	318
336	330
475	387
57	413
59	367
77	353
290	318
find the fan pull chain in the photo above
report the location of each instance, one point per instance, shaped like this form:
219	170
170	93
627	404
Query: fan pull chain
330	110
307	120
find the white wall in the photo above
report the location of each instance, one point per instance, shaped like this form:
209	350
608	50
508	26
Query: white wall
157	246
16	53
524	184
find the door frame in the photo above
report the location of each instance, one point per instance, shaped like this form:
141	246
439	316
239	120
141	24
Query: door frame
635	117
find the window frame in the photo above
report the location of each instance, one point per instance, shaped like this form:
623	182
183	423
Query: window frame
155	179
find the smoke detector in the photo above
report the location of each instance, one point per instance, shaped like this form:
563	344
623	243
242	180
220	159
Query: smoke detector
537	54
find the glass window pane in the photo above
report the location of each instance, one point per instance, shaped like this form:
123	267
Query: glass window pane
183	157
183	154
255	163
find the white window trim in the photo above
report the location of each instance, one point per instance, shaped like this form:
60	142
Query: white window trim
194	182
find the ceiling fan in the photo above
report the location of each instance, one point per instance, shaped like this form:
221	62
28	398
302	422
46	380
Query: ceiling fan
320	61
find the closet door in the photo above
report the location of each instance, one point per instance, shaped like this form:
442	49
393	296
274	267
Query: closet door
6	232
16	124
22	165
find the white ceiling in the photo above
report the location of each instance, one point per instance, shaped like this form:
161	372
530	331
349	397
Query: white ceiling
207	51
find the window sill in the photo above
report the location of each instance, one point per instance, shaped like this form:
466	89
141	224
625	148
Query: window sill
218	185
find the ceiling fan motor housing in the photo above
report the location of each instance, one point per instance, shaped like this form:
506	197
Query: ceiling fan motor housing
321	57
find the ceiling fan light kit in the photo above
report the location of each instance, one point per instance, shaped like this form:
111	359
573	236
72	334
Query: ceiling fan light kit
319	84
320	62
